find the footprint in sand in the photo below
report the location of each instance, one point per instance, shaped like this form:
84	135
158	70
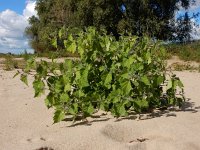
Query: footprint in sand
38	139
122	133
34	140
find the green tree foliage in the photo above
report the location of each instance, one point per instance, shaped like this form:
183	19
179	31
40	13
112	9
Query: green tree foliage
154	18
52	15
184	28
117	76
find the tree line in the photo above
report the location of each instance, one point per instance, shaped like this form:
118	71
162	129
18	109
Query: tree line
153	18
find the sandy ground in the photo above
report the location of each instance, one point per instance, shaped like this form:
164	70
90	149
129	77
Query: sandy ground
26	124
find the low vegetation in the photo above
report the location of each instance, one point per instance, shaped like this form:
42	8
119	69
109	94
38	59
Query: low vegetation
10	63
182	67
189	51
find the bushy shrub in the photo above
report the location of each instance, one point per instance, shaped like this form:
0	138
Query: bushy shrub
115	76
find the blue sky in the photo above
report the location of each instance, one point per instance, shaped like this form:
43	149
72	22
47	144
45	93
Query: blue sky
14	16
194	10
15	5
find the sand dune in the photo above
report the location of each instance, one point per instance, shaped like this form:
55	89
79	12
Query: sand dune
26	124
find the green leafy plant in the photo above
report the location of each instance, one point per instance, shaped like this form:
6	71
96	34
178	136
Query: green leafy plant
115	76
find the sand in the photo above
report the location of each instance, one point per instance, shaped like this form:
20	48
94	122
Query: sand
26	123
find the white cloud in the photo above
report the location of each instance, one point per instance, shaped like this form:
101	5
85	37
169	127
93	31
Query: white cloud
195	5
12	26
30	9
195	30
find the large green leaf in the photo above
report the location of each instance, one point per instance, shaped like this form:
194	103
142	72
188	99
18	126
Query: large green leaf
64	98
80	48
84	78
125	75
39	87
90	110
42	69
73	110
122	111
24	79
49	100
108	80
102	68
70	38
128	62
107	43
141	105
148	57
54	42
67	87
72	47
169	84
59	115
59	86
61	32
70	44
145	80
78	75
126	87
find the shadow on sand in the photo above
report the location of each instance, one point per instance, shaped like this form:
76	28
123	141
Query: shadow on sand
188	106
